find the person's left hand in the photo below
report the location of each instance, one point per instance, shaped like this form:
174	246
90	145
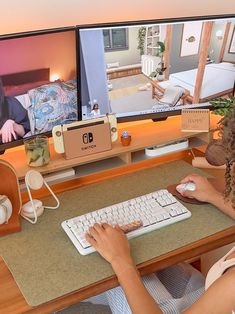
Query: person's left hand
8	132
110	242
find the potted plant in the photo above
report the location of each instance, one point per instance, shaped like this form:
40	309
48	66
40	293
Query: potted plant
215	153
223	106
141	39
159	72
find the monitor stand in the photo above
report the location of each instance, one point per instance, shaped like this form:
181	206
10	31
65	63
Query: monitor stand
159	119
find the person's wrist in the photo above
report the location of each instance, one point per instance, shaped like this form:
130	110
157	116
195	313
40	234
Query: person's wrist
215	199
120	264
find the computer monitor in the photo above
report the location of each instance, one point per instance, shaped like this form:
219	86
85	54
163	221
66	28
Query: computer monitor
153	69
38	83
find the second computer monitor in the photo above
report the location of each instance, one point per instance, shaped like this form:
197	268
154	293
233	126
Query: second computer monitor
151	70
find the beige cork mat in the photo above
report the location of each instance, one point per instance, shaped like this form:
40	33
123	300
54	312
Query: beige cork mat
45	263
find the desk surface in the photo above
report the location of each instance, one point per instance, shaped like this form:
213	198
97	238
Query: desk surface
54	275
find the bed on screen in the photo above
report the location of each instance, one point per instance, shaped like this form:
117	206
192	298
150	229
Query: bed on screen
48	103
218	80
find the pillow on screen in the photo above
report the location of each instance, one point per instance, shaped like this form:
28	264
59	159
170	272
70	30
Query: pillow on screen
53	104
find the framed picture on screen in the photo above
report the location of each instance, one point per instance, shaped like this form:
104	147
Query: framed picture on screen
191	37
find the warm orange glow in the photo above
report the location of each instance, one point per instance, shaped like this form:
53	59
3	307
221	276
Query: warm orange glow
54	77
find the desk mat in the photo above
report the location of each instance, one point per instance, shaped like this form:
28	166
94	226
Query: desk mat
45	263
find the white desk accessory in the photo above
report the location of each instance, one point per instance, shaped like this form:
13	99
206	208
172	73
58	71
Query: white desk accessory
34	208
5	209
163	149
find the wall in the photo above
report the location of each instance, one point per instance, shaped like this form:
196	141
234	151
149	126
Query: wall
216	44
93	70
177	63
24	15
129	56
55	51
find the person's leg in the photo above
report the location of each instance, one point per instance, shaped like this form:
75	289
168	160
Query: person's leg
117	300
184	283
174	289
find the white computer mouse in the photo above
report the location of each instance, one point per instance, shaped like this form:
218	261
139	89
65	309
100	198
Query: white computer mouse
189	186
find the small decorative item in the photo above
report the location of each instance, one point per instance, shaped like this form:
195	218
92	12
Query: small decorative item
195	120
125	138
37	151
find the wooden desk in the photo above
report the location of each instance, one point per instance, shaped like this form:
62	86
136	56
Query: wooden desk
144	134
12	301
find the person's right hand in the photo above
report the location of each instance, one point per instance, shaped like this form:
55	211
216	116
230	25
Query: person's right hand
110	242
8	132
204	191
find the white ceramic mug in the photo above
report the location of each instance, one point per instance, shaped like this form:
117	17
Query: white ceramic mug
5	209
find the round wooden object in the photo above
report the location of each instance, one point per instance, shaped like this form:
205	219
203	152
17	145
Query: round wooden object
9	186
215	153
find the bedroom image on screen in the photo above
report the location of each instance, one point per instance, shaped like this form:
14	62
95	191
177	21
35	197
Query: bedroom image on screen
141	70
38	84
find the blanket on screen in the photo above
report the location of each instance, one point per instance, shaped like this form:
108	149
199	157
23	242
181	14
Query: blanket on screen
52	104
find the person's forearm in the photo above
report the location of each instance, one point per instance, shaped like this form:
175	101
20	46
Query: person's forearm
138	298
224	205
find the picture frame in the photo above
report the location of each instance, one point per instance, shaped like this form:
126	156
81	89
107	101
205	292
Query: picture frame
191	37
232	42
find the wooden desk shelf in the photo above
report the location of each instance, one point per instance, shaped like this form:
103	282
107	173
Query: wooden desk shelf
144	134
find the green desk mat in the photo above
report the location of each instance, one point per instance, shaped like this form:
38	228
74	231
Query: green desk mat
45	263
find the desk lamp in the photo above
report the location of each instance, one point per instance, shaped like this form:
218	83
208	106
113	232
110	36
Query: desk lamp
34	208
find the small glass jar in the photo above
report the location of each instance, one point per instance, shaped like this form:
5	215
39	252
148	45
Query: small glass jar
37	151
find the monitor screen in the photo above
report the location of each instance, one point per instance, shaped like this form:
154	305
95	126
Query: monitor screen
38	84
154	69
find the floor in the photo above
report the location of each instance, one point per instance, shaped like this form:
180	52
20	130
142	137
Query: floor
131	93
129	81
127	85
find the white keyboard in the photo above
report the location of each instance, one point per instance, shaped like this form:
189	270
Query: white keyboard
154	210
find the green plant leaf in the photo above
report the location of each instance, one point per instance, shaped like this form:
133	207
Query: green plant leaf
223	106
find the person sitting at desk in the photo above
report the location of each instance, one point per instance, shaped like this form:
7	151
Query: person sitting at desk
219	297
14	121
95	110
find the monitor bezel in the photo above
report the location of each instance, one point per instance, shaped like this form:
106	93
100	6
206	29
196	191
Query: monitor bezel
158	116
18	142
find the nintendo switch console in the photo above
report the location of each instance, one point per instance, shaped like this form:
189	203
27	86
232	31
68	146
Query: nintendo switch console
82	138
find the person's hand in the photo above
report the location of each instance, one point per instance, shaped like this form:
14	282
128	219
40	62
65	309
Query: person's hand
8	132
204	191
110	242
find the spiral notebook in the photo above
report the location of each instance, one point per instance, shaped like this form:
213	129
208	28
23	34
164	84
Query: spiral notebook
195	120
